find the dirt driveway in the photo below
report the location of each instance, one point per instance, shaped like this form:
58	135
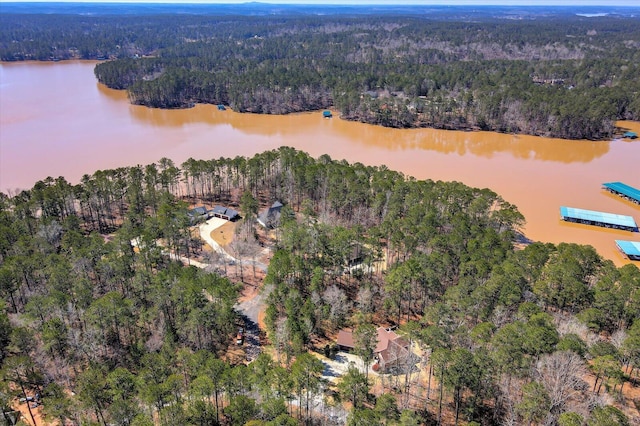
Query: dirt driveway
338	366
250	306
207	228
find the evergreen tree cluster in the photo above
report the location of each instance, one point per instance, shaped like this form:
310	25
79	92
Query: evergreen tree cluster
105	327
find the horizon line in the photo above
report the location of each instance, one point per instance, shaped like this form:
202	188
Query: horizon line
474	3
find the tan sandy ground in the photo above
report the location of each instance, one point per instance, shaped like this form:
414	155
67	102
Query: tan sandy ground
37	415
224	234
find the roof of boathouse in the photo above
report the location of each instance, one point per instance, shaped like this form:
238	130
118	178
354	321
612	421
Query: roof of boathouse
600	217
623	189
629	248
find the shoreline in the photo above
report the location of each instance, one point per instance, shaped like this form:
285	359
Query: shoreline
337	113
61	113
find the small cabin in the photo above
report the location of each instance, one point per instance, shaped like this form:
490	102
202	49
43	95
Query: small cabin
327	114
221	108
630	135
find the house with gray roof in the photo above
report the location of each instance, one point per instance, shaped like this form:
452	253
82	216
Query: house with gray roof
270	218
224	213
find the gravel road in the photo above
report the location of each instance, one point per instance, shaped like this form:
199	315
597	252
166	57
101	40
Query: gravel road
250	309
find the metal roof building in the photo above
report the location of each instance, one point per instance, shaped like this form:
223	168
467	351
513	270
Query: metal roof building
224	212
631	249
270	218
590	217
624	190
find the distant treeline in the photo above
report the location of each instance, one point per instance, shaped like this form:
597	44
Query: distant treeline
559	75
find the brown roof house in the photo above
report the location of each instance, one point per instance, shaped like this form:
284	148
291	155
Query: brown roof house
391	350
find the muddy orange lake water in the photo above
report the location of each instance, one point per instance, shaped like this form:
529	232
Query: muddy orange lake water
56	120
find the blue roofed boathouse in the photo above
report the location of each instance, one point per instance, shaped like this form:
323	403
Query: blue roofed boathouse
327	114
590	217
623	190
631	249
630	135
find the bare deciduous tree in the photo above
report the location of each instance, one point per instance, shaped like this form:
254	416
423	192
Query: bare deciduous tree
240	249
282	337
365	300
338	303
508	399
561	375
618	337
217	262
573	326
51	233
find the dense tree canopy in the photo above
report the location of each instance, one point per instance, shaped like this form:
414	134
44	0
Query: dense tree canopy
551	74
94	304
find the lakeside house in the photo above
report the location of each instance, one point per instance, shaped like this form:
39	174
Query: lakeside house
203	213
198	213
391	350
327	114
630	135
270	218
224	213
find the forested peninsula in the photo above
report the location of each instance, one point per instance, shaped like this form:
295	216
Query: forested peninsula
541	72
115	311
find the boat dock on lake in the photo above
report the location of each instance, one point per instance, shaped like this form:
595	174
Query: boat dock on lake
631	249
590	217
625	191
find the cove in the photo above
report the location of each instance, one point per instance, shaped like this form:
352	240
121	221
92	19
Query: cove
56	120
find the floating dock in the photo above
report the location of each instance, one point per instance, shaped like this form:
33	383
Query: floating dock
625	191
631	249
590	217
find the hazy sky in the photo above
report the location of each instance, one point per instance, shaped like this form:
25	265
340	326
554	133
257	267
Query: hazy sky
388	2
